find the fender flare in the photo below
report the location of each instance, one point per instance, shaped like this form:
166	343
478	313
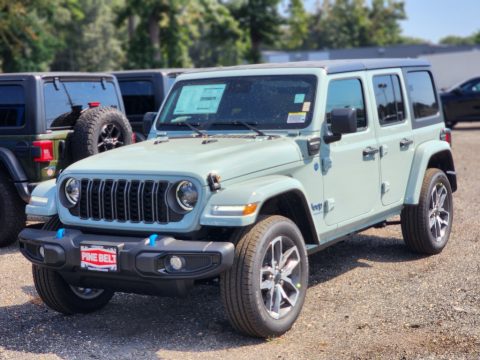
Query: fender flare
43	202
16	172
423	154
257	191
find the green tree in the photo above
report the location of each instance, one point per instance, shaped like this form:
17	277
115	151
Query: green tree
261	21
457	40
90	40
352	23
343	24
217	38
158	33
26	34
384	19
297	25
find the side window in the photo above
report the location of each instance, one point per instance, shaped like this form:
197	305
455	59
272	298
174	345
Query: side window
12	106
471	86
138	96
388	96
424	100
347	93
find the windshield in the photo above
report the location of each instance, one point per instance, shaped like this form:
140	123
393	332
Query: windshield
59	100
268	102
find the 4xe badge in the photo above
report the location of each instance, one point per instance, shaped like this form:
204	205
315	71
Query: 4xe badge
98	258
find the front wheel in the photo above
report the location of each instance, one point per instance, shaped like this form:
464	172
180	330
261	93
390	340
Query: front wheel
426	227
58	295
264	291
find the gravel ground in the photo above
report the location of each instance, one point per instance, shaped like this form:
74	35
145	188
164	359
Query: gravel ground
368	298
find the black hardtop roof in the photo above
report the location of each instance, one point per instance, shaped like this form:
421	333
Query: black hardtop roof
334	66
133	73
64	74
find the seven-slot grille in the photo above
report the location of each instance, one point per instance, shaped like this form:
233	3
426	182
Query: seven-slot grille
125	200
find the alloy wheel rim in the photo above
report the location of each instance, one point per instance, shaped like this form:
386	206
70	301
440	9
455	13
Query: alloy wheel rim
280	277
86	293
110	137
439	212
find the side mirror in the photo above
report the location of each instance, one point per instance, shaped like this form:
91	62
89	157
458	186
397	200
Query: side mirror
342	121
148	119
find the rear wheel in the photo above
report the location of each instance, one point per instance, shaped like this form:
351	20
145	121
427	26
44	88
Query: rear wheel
264	291
12	211
58	295
426	227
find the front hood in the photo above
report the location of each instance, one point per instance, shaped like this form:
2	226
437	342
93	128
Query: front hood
229	157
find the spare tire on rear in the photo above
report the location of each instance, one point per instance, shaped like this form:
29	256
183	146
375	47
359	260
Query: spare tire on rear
99	129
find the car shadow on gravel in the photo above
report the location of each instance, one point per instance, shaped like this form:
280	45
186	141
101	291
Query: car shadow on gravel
356	251
142	326
10	249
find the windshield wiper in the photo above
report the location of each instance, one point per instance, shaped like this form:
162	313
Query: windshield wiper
190	126
248	125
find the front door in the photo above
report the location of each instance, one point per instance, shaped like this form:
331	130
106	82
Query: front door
394	133
350	166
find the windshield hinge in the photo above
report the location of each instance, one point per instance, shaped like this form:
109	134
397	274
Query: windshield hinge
56	83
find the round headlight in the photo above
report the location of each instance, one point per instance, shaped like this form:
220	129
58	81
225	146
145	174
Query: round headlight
187	195
72	191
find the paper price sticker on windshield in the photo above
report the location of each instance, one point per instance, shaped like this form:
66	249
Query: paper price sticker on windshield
199	99
296	118
98	258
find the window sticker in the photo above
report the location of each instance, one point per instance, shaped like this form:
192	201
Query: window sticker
296	118
199	99
306	106
299	98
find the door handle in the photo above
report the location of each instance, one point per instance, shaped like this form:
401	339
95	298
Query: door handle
405	142
370	151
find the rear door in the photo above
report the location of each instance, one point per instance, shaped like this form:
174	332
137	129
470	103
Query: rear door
394	132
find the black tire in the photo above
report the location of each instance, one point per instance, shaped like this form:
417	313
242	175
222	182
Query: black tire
95	124
58	295
244	300
12	211
419	235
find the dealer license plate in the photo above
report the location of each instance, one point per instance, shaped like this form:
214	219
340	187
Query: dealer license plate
98	257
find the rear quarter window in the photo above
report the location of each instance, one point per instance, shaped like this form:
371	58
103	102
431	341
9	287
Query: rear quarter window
12	106
138	96
422	94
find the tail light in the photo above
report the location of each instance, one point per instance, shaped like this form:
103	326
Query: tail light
44	150
446	135
93	104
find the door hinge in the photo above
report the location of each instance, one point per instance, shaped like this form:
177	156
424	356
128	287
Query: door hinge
326	164
328	205
385	187
383	150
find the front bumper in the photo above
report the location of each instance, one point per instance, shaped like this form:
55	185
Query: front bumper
142	267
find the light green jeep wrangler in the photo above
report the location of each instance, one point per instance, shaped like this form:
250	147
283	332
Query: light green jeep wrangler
247	171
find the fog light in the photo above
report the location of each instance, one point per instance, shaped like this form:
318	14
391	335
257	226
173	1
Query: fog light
41	251
176	262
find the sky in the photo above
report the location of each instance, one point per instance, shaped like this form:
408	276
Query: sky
434	19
